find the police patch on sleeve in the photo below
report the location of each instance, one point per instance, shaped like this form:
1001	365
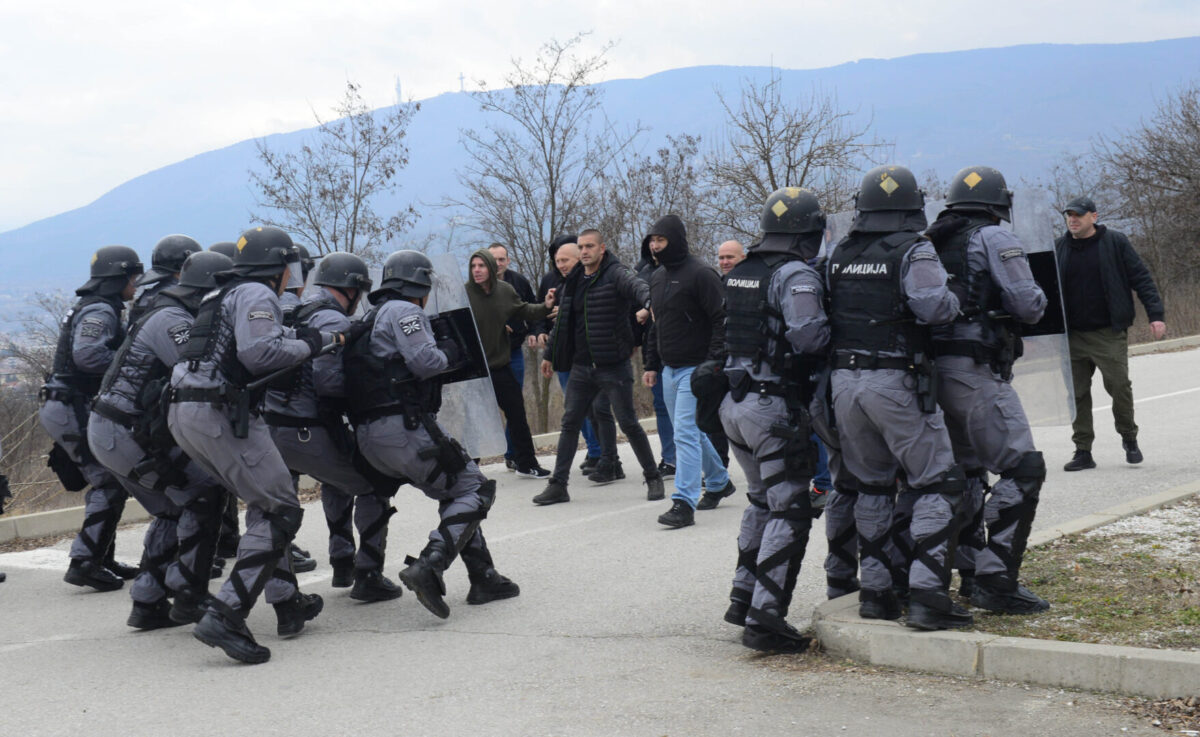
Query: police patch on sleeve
411	324
180	333
804	289
1010	253
922	256
90	331
261	315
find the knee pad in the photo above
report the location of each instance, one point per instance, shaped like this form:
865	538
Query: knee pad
1029	473
286	523
953	481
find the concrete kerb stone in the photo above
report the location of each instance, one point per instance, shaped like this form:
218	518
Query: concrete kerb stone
1130	670
59	522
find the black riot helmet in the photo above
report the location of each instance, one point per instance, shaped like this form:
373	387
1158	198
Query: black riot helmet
889	188
198	277
343	271
792	210
167	257
980	189
306	260
112	267
267	252
225	248
407	274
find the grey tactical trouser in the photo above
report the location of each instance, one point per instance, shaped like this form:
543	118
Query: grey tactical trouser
984	414
252	468
402	453
104	502
885	433
841	530
345	494
180	543
776	524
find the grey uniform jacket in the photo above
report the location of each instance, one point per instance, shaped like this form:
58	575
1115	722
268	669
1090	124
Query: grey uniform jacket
326	378
797	291
999	254
403	328
251	312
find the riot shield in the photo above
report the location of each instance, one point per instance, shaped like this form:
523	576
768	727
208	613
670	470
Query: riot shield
1042	377
459	326
469	411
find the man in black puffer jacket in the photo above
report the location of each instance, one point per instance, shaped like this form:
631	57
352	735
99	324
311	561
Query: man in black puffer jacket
688	301
592	338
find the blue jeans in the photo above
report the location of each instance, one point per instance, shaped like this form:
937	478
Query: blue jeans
693	450
666	432
518	368
589	434
822	479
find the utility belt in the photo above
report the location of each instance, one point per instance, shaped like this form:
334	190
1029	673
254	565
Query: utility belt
125	419
763	388
227	395
921	366
276	419
377	413
66	396
870	362
1000	359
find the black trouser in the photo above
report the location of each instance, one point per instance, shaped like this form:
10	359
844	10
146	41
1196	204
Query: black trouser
584	384
721	444
512	404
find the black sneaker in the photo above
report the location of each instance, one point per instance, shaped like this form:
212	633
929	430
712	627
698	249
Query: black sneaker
343	572
679	515
510	464
291	615
533	472
1081	462
151	616
374	586
666	469
589	464
710	499
607	472
82	572
655	489
302	562
554	493
1133	454
222	627
425	580
492	587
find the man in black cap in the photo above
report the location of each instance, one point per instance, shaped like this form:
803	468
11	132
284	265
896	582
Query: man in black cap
1099	271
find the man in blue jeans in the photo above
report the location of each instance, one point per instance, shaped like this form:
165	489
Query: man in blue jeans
688	305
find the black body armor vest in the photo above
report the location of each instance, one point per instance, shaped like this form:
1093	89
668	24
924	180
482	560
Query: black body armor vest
747	331
377	387
211	340
148	369
867	311
295	382
64	368
982	294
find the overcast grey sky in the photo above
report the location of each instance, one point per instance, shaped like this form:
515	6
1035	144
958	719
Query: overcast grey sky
95	93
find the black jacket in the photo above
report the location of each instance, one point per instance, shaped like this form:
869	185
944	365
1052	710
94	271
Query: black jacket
520	328
605	308
1121	272
688	301
550	280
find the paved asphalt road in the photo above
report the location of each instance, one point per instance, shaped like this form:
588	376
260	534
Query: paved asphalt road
618	630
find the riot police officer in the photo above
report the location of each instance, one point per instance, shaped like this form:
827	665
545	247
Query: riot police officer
237	336
394	395
87	341
128	435
305	412
989	269
775	336
227	543
165	262
885	282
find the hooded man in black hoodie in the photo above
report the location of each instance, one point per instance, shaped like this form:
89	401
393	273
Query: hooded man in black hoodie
688	303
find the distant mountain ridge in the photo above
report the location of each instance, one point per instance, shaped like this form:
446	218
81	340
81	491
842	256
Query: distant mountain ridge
1016	108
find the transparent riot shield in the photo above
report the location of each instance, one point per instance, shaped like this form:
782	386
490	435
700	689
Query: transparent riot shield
469	411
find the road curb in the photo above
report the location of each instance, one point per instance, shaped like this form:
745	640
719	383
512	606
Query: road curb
1136	671
1165	346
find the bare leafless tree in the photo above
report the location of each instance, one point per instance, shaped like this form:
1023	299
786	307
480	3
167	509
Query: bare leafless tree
773	140
325	194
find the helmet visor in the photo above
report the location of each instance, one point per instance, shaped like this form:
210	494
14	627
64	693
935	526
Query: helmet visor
295	269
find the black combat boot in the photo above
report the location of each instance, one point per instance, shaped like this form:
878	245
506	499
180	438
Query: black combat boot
654	488
739	604
606	472
1081	461
372	585
554	493
151	616
302	562
710	499
83	572
223	627
878	604
932	609
188	607
423	577
491	586
679	515
997	592
773	634
293	613
966	586
343	572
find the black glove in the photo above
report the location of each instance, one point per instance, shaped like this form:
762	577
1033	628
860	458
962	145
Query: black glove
313	337
454	354
357	329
